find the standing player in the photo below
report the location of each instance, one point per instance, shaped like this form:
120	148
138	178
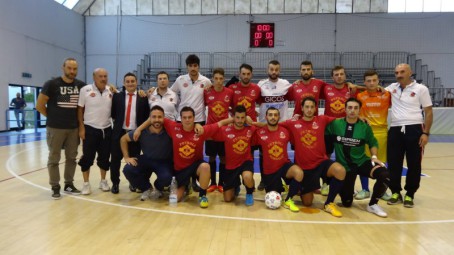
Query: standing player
409	133
351	135
274	141
218	100
164	97
310	154
374	108
245	92
237	139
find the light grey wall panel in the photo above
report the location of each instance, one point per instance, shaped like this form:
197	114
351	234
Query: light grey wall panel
361	6
112	7
176	7
326	6
97	8
129	7
226	7
276	6
259	6
144	7
209	6
309	6
379	5
242	6
193	7
344	6
292	6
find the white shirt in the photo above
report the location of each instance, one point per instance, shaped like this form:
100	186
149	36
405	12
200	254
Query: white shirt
273	95
168	102
97	105
406	103
191	94
132	113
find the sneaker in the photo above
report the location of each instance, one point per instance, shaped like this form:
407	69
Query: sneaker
155	194
145	195
408	202
212	188
386	196
86	189
331	208
261	186
289	204
56	192
324	190
104	186
203	201
363	194
220	189
249	200
377	210
70	189
396	198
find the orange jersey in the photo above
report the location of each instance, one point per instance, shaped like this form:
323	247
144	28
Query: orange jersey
375	107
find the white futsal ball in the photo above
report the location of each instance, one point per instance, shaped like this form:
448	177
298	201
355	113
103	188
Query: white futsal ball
273	200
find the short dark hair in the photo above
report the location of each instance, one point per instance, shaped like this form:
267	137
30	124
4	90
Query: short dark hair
187	109
272	108
312	99
370	72
306	63
129	74
68	59
352	99
218	71
162	72
336	68
239	109
247	66
157	108
192	59
274	62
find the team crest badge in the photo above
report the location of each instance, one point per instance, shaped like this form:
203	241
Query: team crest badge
249	133
282	135
237	92
315	89
171	99
264	137
185	85
230	136
195	138
253	93
299	90
179	136
153	99
298	125
227	99
92	94
315	125
413	94
201	86
394	91
211	97
330	94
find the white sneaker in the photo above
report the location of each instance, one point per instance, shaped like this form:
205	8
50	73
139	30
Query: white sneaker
377	210
145	195
155	194
86	189
103	185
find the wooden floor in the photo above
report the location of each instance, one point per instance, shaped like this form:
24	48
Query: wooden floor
103	223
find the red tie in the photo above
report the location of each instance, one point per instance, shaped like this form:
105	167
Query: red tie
128	111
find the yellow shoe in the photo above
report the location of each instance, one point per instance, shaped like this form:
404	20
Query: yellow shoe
289	204
332	208
203	201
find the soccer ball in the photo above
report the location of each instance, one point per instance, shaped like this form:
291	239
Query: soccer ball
273	200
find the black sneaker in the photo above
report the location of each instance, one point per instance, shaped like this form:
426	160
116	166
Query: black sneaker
261	186
56	192
70	189
396	198
408	202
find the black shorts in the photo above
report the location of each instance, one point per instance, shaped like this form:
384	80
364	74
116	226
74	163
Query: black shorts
214	148
231	176
273	181
183	176
97	141
311	180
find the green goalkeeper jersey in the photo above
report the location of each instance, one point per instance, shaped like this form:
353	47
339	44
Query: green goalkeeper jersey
349	142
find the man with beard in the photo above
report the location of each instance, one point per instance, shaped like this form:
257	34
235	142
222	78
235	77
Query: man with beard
245	92
411	120
273	92
274	140
310	154
58	102
237	142
157	159
164	97
306	87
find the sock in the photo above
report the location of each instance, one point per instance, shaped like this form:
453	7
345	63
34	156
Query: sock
213	172
381	185
293	189
249	190
202	192
334	188
364	183
221	174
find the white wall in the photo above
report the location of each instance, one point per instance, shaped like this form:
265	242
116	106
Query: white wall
428	35
35	37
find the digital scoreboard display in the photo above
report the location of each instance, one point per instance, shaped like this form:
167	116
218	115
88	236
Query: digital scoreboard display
262	35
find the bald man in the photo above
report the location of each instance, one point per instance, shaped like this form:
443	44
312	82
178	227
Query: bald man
411	120
94	115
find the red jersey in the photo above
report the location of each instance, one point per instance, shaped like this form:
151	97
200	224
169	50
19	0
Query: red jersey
218	104
309	140
237	143
298	91
335	100
246	96
274	148
187	146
